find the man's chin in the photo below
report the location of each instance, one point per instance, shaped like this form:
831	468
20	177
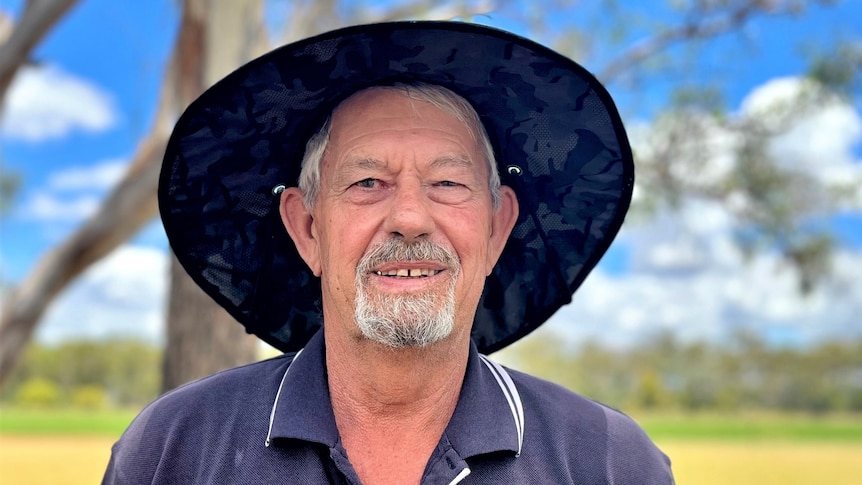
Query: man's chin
405	331
405	344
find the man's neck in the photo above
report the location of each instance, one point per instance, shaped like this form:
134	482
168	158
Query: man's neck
392	405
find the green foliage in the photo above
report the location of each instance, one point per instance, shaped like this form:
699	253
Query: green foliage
92	374
697	152
665	373
10	183
839	69
37	392
89	397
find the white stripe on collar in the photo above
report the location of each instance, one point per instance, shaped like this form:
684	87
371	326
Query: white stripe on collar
277	394
460	476
512	396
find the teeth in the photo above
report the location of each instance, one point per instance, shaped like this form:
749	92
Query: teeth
408	273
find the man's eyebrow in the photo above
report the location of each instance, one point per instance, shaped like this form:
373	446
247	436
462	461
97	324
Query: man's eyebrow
362	166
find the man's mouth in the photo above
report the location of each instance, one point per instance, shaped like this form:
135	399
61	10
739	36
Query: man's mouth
408	273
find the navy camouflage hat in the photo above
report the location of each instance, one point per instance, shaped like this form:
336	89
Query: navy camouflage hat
558	140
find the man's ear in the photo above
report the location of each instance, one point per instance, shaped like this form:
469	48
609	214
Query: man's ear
300	225
502	223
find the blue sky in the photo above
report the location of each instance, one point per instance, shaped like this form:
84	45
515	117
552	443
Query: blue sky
73	120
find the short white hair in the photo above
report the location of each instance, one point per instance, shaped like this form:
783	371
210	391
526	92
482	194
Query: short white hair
440	97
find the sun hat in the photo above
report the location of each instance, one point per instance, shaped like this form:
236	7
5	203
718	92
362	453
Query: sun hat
558	139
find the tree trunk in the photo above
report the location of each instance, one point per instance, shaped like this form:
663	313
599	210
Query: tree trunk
201	337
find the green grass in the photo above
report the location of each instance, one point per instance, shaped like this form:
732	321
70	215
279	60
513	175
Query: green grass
660	426
64	421
758	426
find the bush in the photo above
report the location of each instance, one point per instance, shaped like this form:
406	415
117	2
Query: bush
89	397
38	392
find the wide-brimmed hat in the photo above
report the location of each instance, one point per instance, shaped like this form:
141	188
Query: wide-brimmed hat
557	136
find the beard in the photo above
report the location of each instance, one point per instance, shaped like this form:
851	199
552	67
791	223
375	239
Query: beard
407	320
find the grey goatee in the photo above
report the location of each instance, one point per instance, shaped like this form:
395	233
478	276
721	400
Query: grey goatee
407	320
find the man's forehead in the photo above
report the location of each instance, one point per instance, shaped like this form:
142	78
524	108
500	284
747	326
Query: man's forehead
374	99
386	109
441	162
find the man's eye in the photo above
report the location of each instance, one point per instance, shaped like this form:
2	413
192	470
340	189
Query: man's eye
368	183
448	183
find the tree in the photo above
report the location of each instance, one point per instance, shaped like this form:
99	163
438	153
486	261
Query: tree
202	338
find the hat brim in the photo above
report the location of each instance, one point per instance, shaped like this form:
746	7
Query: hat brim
558	140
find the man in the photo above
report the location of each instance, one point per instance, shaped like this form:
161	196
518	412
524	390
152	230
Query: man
457	185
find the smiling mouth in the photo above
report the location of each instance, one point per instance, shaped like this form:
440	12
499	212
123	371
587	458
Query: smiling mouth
408	273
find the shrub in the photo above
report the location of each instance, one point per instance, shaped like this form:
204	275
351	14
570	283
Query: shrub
89	397
38	392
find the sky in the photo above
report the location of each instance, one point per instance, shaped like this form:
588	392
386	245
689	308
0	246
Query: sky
74	116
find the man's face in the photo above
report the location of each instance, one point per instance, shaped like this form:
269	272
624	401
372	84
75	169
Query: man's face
403	222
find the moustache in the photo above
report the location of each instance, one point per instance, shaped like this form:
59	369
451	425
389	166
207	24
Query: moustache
398	251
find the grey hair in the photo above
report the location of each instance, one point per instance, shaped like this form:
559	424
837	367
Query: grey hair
440	97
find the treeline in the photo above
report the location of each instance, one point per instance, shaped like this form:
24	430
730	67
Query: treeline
665	373
90	374
661	374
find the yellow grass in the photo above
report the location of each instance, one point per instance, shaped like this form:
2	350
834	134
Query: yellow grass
765	462
71	460
38	460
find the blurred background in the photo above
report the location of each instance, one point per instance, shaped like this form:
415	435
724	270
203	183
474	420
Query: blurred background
726	317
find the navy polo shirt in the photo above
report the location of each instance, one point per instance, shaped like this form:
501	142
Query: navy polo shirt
272	422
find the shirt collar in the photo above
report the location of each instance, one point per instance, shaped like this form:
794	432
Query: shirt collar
486	418
302	408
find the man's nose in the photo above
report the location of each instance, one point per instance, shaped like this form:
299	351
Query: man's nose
409	213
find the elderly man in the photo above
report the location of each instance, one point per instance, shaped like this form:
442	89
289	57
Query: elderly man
406	257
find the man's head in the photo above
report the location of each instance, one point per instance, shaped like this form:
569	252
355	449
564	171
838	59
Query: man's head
559	142
401	214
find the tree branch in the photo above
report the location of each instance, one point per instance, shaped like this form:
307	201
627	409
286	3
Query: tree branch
703	24
38	18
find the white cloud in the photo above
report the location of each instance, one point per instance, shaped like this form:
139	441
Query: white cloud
72	194
100	176
47	207
819	134
710	300
121	295
688	276
821	139
46	103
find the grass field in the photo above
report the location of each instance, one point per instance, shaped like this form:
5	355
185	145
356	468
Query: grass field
44	459
762	449
753	427
64	422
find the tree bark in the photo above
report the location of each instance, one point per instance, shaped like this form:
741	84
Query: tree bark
37	20
202	338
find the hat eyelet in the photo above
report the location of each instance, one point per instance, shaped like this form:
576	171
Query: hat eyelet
514	170
278	189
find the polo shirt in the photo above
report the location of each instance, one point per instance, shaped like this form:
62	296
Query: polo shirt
272	422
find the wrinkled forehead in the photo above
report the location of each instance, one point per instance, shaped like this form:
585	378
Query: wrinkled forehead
370	101
388	109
